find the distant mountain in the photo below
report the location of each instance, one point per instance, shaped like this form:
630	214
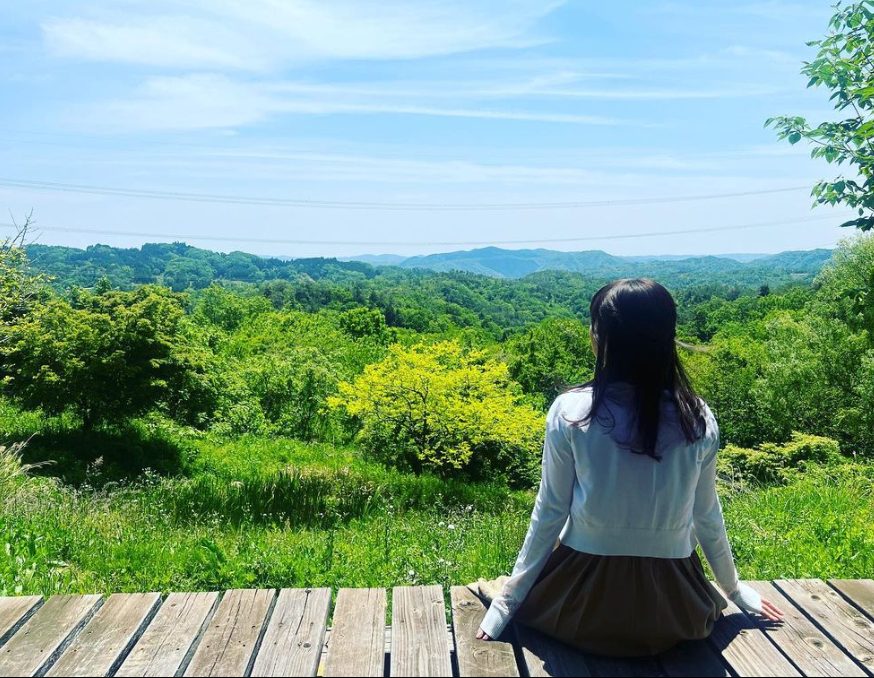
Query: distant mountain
741	257
183	267
504	263
744	257
796	260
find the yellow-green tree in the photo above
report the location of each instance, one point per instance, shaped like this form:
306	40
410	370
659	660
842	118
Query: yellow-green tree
444	409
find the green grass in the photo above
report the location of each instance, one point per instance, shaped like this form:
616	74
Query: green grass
64	540
820	525
273	512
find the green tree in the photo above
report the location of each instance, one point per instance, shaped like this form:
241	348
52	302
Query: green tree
728	375
228	309
844	65
181	273
292	389
444	409
108	357
846	286
550	356
365	322
808	375
20	289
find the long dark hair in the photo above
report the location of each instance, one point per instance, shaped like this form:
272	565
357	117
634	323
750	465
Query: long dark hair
634	327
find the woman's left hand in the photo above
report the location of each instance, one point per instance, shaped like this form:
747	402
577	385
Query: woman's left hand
482	635
771	612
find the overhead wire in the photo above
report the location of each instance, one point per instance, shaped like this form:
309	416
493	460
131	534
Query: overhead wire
373	205
419	243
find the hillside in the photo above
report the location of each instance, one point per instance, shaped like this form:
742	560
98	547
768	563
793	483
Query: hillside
182	266
504	263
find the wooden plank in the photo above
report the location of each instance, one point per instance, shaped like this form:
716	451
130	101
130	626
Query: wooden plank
621	666
477	657
691	659
357	643
170	637
292	644
228	644
858	591
844	623
746	648
13	611
419	644
800	640
107	637
36	644
547	657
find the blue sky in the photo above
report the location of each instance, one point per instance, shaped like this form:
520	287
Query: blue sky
429	101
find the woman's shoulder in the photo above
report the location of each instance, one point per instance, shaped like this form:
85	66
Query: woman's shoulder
572	404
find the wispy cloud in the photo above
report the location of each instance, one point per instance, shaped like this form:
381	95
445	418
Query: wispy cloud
268	34
207	101
167	41
559	85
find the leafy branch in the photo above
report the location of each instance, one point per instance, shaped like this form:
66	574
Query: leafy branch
844	65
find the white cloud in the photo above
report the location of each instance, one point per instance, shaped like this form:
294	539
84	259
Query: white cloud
159	41
561	85
184	103
262	34
206	101
661	94
762	55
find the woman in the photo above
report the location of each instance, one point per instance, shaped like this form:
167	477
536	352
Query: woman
628	488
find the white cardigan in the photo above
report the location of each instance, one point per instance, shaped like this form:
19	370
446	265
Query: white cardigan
600	498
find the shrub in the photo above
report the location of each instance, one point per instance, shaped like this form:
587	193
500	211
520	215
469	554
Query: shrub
445	409
291	390
777	463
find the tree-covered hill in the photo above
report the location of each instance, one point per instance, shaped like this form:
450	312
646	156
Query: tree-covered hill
177	265
504	263
417	298
181	266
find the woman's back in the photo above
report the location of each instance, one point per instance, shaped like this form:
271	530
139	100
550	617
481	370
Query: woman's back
625	503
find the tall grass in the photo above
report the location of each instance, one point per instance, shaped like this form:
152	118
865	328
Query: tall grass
273	512
820	525
123	540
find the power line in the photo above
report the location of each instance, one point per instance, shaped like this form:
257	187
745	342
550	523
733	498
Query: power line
364	205
385	243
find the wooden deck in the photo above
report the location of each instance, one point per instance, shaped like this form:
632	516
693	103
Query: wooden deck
829	631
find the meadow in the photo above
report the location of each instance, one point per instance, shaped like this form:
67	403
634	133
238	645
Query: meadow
270	512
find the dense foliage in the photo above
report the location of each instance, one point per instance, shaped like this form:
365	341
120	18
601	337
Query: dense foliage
550	356
365	427
417	299
426	371
106	356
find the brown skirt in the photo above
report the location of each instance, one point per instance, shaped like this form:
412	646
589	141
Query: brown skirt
622	606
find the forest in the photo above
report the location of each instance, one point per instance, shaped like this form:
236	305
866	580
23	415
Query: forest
176	418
